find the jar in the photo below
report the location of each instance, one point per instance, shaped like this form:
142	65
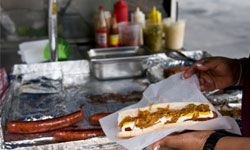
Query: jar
152	35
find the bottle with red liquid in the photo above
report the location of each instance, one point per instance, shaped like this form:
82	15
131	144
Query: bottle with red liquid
121	11
101	35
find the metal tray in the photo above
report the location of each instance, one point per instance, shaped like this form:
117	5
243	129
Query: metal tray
116	63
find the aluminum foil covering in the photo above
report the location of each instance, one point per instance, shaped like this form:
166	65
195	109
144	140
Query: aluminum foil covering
229	97
49	90
155	64
228	102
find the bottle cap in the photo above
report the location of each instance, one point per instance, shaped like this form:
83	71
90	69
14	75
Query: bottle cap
154	16
139	17
101	8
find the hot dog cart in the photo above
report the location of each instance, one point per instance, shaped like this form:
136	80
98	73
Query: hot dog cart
95	80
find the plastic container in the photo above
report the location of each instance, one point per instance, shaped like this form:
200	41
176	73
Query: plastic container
174	33
129	34
32	51
152	34
121	11
138	17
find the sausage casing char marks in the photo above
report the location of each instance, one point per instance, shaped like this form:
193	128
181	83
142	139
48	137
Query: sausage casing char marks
44	125
73	135
94	119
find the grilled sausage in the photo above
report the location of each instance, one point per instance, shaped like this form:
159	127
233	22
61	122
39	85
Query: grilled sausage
94	119
44	125
73	135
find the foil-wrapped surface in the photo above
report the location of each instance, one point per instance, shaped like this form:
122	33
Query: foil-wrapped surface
49	90
228	96
156	64
227	101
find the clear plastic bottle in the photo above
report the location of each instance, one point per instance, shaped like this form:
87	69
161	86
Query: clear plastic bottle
138	17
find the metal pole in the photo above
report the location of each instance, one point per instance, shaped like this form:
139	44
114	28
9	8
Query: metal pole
53	30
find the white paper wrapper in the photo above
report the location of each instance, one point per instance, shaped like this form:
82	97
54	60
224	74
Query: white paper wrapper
173	89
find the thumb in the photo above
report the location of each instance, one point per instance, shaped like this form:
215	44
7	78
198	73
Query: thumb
202	65
206	64
193	69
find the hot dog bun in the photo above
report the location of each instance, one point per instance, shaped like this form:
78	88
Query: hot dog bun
159	126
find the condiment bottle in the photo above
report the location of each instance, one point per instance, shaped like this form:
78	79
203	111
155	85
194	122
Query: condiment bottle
154	16
121	11
153	32
138	17
174	33
113	33
107	16
101	30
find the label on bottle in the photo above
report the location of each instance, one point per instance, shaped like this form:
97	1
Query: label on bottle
101	39
114	40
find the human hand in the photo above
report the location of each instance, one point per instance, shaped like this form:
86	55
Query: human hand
215	72
194	140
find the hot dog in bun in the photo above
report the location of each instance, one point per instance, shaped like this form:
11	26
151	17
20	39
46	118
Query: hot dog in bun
137	121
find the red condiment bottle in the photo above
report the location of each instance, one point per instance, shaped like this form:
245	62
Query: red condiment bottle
101	35
121	11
